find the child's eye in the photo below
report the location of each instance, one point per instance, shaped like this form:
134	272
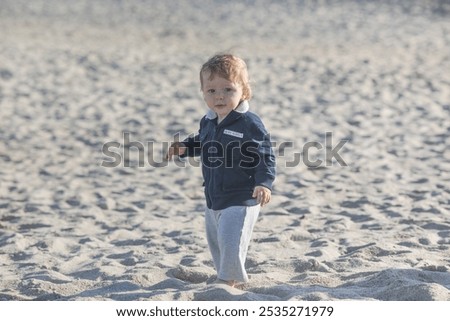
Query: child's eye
228	90
211	91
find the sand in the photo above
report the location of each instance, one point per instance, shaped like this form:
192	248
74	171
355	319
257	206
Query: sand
76	75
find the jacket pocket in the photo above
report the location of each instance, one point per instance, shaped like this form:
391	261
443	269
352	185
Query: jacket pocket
236	180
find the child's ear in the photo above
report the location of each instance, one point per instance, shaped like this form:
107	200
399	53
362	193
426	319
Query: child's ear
245	93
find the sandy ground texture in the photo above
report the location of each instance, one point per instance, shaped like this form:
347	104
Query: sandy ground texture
75	75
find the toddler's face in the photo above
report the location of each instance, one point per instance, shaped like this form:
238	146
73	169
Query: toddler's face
221	95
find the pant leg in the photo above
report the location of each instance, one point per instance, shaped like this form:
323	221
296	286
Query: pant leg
211	225
234	232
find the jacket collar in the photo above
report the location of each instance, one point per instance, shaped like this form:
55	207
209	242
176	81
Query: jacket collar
243	107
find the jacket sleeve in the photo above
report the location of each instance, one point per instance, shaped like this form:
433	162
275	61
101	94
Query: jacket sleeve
265	170
193	144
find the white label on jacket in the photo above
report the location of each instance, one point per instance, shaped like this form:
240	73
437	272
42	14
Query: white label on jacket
233	133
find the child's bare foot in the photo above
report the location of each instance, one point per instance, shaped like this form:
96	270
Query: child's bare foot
231	283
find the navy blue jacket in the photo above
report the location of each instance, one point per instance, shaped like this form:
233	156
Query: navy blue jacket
236	156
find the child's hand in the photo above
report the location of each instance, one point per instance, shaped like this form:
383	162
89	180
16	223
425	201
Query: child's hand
176	148
262	195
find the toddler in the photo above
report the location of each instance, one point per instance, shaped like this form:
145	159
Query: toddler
238	164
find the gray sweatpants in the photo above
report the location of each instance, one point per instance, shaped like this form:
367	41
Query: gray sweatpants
228	232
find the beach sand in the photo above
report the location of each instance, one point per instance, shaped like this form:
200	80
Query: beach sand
75	76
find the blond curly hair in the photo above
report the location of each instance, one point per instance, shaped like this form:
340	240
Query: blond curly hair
231	68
